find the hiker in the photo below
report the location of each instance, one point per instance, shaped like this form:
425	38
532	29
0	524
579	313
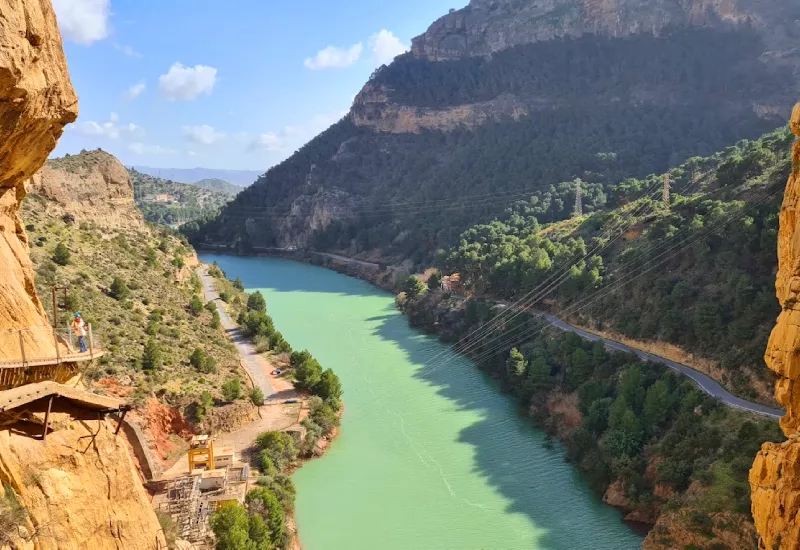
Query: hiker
79	329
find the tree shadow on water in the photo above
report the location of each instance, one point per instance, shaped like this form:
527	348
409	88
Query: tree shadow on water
509	453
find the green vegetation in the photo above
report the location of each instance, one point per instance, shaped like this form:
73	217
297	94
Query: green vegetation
232	390
700	275
622	420
257	397
61	255
618	108
170	203
123	282
202	361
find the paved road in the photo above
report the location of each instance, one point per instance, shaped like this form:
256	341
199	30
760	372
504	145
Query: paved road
252	361
707	384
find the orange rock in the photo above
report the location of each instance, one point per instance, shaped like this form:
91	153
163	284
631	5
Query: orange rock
775	476
36	101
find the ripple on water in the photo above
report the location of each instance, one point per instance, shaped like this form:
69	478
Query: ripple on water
431	455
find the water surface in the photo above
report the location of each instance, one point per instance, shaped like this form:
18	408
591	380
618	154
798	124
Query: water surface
430	455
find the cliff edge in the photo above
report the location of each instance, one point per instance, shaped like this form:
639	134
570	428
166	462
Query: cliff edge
775	476
36	102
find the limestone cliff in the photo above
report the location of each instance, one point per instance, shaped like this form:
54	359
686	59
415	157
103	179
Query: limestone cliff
486	27
79	489
775	476
36	101
92	186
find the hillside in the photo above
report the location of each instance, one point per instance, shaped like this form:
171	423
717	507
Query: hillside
699	276
135	284
240	178
447	134
172	203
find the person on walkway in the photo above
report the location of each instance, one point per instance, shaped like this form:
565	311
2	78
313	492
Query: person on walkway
79	329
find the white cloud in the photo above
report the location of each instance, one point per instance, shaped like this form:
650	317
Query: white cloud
83	21
202	135
129	51
293	137
110	129
335	58
144	149
191	153
186	83
135	90
385	46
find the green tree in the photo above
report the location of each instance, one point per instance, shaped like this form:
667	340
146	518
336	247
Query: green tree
413	287
203	405
257	396
232	390
435	281
210	306
215	320
196	305
118	289
150	257
61	254
238	285
280	446
515	365
656	406
329	387
178	262
307	375
256	302
151	357
202	361
231	526
263	502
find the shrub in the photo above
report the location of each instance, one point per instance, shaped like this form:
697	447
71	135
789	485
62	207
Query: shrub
413	287
215	320
256	302
196	305
151	358
329	388
232	390
278	343
202	361
203	405
179	263
280	446
61	254
257	397
225	296
238	285
211	307
118	289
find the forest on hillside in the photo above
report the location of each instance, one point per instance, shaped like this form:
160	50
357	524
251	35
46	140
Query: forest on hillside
410	194
699	275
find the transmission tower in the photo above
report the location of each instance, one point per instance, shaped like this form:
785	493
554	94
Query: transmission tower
665	192
578	204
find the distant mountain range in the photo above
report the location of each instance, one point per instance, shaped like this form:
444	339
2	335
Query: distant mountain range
242	178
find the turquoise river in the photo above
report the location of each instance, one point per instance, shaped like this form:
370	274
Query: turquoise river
431	455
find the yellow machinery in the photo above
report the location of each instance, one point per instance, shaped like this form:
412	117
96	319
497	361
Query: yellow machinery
201	453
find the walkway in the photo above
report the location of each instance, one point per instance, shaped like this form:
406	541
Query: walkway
253	362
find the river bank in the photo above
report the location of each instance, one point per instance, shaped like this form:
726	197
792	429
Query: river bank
271	375
479	468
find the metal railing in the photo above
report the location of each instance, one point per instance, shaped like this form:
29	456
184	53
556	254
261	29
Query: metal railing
46	345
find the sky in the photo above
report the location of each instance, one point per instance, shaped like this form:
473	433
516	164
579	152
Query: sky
236	85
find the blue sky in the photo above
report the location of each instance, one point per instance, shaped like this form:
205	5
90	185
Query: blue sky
239	84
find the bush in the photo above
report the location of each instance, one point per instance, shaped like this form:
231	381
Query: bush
151	358
278	343
203	406
256	302
323	415
225	296
118	289
211	307
232	390
413	287
329	388
280	447
202	361
61	254
196	305
257	397
238	285
215	320
179	263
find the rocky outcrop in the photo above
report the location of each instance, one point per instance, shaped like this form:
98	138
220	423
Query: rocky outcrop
311	213
93	186
775	476
485	27
79	489
373	109
36	102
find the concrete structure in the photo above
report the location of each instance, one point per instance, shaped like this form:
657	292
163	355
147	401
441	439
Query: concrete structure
213	480
201	453
224	457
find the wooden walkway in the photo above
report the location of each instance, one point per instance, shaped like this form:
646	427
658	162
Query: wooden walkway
44	362
17	397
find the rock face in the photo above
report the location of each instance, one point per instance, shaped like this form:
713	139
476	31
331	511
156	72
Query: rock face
775	476
78	491
488	26
36	102
93	186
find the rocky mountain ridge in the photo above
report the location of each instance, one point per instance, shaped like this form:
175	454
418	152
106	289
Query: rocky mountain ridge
774	478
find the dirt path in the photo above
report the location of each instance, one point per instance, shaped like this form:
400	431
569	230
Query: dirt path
258	367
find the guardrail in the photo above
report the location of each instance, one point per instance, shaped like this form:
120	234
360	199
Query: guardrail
33	346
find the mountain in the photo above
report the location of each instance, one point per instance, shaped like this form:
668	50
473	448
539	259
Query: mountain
241	178
216	184
506	97
168	202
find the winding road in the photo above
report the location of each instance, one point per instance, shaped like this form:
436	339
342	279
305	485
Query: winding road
256	366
